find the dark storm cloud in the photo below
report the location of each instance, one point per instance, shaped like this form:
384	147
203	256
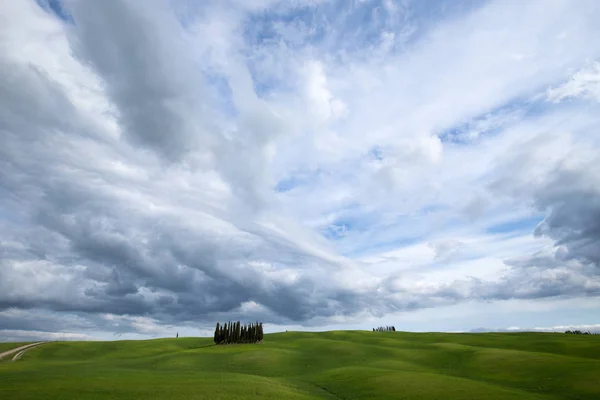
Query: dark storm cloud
573	222
569	194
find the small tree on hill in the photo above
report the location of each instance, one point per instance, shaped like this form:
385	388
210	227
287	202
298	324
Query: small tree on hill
385	329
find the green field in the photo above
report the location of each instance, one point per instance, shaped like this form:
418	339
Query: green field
328	365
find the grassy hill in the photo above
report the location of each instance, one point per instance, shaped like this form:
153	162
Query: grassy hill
328	365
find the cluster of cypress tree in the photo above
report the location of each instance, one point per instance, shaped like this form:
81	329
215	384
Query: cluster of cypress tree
578	332
235	332
385	329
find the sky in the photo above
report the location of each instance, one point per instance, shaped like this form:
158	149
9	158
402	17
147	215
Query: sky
312	164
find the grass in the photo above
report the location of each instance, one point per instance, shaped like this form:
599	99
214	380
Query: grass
328	365
9	346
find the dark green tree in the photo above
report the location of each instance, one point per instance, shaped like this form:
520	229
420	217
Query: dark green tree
216	334
234	332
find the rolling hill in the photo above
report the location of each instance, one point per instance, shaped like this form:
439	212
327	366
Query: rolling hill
301	365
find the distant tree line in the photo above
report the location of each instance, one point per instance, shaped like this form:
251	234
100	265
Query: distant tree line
385	329
578	332
235	332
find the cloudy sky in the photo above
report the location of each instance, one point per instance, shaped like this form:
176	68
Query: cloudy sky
313	164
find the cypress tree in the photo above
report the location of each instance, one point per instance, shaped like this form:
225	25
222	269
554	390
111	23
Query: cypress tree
251	332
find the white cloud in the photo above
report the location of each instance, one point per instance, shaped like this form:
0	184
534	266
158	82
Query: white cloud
321	102
593	328
584	83
22	335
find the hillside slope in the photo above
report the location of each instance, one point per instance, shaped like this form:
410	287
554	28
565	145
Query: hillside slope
328	365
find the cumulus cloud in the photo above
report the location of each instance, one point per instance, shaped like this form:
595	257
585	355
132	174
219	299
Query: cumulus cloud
163	167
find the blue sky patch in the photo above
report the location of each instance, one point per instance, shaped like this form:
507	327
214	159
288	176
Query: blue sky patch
56	7
520	225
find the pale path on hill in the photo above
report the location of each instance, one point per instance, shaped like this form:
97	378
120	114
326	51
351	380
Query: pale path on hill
19	350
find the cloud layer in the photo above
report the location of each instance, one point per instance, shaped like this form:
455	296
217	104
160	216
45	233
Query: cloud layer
167	165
